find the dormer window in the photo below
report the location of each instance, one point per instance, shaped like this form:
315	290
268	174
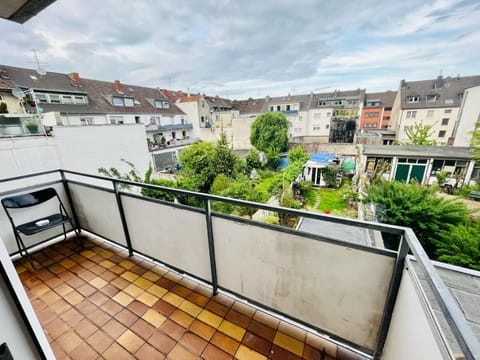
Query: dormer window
117	101
413	99
160	104
432	98
120	101
128	102
448	101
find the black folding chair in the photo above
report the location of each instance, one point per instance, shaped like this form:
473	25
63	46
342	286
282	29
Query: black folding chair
39	224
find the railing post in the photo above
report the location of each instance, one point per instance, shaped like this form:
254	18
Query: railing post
391	296
122	217
70	200
211	246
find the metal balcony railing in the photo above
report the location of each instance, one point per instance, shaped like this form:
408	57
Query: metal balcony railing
355	294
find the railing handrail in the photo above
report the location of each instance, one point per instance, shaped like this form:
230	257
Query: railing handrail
468	342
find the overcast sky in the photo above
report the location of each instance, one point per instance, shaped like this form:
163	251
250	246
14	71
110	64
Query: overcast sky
251	48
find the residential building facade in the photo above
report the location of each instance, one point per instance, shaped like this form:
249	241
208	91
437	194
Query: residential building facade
468	115
377	110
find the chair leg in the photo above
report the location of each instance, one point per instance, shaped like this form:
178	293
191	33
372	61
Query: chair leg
23	250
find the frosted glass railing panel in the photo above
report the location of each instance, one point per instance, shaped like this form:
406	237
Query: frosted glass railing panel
97	212
333	287
175	236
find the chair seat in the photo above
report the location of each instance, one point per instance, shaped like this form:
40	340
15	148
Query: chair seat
41	224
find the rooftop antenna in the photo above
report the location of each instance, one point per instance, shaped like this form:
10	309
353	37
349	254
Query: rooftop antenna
40	70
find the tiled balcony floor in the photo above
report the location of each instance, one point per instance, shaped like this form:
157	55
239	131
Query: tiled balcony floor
101	304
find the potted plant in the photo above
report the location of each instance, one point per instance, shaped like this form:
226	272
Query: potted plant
31	125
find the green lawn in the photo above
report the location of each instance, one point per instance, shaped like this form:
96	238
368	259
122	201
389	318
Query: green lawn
332	200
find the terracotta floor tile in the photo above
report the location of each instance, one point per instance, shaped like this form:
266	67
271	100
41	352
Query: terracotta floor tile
181	318
116	352
129	276
99	341
232	330
157	290
245	353
74	282
180	290
86	290
106	254
114	329
212	352
74	298
85	328
148	299
117	269
63	289
219	309
69	341
288	343
58	351
108	276
198	299
142	329
123	298
40	289
38	304
133	290
99	317
46	315
238	318
87	275
111	307
173	299
321	344
188	283
153	317
193	343
98	282
72	317
225	343
148	352
137	307
173	276
98	298
120	283
164	307
97	269
181	353
107	264
190	308
161	342
87	253
165	283
126	264
262	330
60	307
257	343
204	290
126	317
57	327
54	282
50	297
110	290
150	275
278	353
210	318
130	341
86	307
173	330
201	329
224	300
83	352
139	270
143	283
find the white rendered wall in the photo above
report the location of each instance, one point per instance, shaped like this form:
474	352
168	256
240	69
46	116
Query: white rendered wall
469	114
411	333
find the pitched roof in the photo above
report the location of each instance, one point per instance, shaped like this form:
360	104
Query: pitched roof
386	98
439	152
249	106
172	95
218	102
102	92
303	100
449	91
51	81
6	85
191	98
337	94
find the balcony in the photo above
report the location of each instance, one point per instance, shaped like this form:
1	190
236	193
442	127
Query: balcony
171	127
148	286
289	112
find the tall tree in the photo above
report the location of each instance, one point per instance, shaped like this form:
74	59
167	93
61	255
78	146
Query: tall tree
297	154
269	132
198	165
225	158
420	134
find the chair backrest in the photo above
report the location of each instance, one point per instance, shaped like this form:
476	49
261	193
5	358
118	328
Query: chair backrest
30	199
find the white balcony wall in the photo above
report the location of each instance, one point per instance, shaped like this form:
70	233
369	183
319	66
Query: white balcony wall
412	333
21	216
172	235
333	287
98	212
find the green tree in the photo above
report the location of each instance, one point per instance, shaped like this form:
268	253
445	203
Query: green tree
420	134
242	189
253	160
225	158
198	165
3	108
419	208
273	159
269	132
131	175
297	154
329	174
475	142
460	246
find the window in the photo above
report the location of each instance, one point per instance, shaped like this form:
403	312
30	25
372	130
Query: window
316	128
411	114
86	121
158	104
41	98
329	114
202	119
448	101
79	100
166	105
128	102
429	114
432	98
445	121
117	101
271	108
278	107
365	125
447	111
67	99
442	133
116	120
288	107
413	99
55	99
367	114
327	126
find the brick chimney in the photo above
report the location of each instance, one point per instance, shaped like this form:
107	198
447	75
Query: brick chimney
118	87
75	79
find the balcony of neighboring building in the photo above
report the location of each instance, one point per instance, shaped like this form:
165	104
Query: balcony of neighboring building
19	125
178	279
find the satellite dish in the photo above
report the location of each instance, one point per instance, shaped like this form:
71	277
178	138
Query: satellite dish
18	93
41	71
